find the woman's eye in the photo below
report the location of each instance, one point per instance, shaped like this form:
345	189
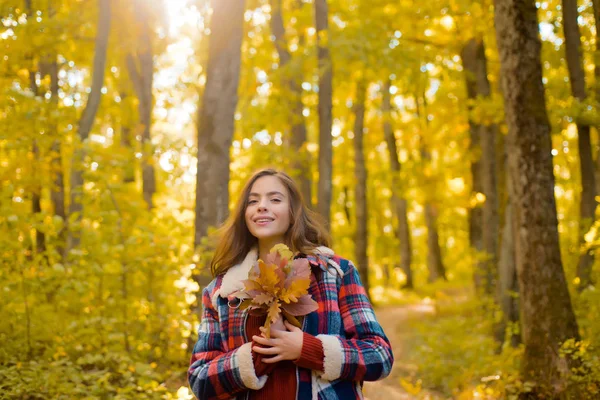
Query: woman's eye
276	200
251	201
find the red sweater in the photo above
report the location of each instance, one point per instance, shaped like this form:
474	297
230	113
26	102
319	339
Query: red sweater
281	383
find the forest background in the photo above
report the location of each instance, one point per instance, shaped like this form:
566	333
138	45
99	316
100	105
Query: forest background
452	147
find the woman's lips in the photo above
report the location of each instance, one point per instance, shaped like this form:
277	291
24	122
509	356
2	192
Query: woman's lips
263	221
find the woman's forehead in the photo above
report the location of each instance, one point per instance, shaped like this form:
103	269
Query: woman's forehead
267	185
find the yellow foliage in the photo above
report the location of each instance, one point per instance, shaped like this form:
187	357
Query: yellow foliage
411	388
297	288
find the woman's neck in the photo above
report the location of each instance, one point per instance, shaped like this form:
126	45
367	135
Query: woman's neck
264	248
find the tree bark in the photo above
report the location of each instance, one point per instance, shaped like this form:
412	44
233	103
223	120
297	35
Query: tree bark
36	207
508	286
301	157
547	315
325	109
596	8
588	184
473	57
126	138
86	122
435	264
360	189
141	71
216	115
399	202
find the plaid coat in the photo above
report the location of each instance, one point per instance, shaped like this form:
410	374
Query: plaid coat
355	346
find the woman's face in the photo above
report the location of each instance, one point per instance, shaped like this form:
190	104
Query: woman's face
268	211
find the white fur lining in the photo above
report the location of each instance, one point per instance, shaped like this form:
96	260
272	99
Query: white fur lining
246	365
332	363
232	281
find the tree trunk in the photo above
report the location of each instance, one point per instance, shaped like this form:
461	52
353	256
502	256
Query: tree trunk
325	107
508	286
300	159
86	122
547	314
141	71
435	264
126	138
596	8
360	189
588	184
57	191
216	115
399	202
36	207
470	53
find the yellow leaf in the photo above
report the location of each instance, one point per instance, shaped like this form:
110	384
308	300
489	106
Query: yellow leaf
263	298
299	287
268	279
274	311
283	251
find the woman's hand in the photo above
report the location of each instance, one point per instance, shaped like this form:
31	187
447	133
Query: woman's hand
283	344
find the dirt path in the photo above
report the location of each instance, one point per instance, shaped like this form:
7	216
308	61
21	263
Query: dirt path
393	320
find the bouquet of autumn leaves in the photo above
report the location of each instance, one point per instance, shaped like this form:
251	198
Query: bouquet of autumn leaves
278	286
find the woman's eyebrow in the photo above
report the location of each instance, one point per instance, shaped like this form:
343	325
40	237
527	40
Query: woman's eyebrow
268	194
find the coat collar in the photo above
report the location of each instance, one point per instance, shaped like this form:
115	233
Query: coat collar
232	280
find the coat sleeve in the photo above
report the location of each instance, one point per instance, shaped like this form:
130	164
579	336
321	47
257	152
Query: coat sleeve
364	354
214	373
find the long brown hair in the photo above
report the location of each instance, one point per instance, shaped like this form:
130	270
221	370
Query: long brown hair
234	241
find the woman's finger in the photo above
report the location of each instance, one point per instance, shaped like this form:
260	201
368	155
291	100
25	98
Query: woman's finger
275	333
266	350
272	360
263	340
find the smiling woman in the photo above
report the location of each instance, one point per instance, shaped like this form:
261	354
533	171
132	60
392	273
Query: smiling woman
338	346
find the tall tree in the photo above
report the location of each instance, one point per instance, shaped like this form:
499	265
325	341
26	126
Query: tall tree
140	66
57	191
216	115
87	121
399	202
596	9
36	193
587	205
435	264
483	222
547	314
293	83
325	108
508	286
360	189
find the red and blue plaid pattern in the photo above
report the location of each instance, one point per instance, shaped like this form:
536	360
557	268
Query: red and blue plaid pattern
356	348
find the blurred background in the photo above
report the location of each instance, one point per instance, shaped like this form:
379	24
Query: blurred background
128	127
